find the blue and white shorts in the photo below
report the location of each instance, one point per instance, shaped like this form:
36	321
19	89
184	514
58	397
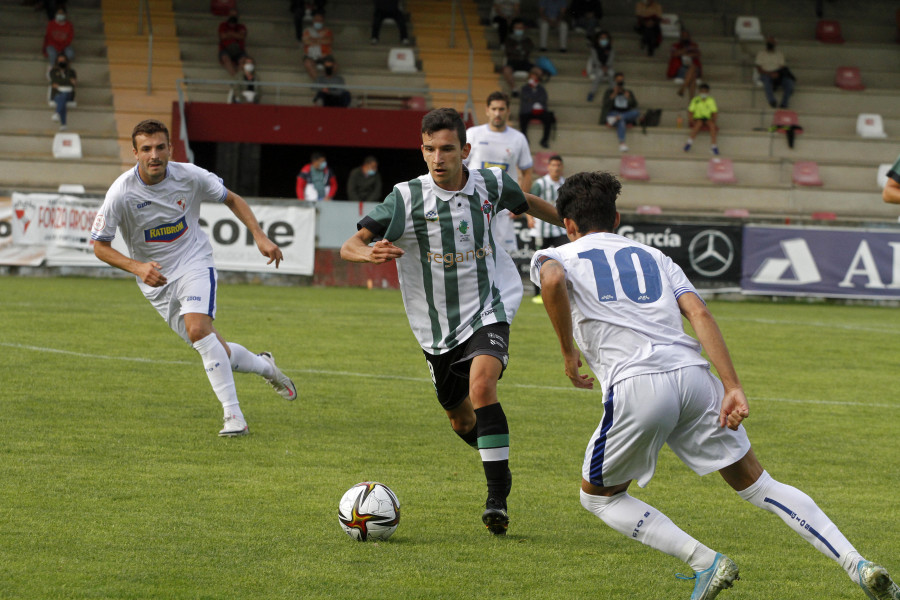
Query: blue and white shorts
193	292
640	414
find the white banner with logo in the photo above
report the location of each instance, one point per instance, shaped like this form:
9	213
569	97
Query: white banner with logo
55	230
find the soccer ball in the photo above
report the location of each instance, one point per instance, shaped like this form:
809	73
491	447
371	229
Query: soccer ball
369	511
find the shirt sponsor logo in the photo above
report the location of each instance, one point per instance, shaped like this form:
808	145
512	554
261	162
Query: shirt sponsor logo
463	226
503	166
167	232
193	299
143	205
451	259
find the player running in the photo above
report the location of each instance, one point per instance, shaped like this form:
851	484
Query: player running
157	207
460	288
622	302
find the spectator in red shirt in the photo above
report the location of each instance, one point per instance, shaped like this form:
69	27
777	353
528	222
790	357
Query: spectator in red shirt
58	37
316	181
317	41
232	37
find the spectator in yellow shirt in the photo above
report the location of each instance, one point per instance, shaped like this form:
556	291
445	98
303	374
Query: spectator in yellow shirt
703	111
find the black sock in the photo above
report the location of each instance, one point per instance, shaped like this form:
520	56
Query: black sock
470	437
493	445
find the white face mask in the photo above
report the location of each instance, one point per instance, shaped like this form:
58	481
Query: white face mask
249	67
518	32
60	18
318	26
704	96
604	43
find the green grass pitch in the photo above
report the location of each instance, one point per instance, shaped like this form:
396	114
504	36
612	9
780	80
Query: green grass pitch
113	483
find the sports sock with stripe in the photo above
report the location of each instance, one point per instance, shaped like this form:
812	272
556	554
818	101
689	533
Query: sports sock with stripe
493	445
244	361
638	520
218	370
801	514
470	437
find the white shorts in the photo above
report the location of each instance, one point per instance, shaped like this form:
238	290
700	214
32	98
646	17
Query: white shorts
193	292
640	414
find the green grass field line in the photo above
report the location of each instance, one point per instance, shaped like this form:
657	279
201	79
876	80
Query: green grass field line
113	483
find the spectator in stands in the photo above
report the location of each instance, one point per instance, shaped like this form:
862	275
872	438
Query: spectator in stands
586	15
773	73
620	109
533	105
553	13
317	41
600	61
232	40
58	37
331	93
389	9
503	13
702	112
684	63
62	84
891	191
303	10
517	51
316	181
364	184
247	89
649	14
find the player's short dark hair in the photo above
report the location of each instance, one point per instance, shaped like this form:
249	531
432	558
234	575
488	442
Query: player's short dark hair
555	157
704	86
444	118
589	199
148	127
498	95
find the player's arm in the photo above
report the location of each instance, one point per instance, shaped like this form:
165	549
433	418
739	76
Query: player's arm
357	248
734	406
891	192
556	303
543	210
148	272
245	215
525	178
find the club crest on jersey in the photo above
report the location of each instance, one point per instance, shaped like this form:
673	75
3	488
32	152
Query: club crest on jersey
431	216
486	208
181	202
463	228
167	232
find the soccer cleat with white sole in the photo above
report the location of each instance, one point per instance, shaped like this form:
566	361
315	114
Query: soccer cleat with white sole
281	382
721	575
875	581
234	426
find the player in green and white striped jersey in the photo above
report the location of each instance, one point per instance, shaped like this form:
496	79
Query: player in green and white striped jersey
548	235
460	288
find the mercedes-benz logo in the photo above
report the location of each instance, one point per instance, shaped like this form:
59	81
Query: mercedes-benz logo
711	253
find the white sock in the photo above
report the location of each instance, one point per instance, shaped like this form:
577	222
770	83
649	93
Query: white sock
689	142
244	361
802	515
640	521
218	370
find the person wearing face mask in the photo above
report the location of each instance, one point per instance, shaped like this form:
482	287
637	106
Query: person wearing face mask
62	88
619	108
317	42
533	105
600	61
517	51
684	64
773	73
58	37
503	12
332	92
246	88
364	183
316	181
703	112
232	40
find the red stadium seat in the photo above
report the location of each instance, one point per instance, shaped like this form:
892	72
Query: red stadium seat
738	213
721	170
540	162
634	167
848	78
824	216
829	32
785	118
417	103
221	7
806	173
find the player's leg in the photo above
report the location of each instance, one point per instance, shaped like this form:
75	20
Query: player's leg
804	517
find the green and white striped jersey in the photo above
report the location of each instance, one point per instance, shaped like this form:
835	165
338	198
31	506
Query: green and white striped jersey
454	276
547	189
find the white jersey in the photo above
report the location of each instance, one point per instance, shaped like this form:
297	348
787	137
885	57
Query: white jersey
161	222
508	150
547	189
454	276
625	312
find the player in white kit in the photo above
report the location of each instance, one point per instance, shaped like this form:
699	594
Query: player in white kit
496	144
156	207
622	302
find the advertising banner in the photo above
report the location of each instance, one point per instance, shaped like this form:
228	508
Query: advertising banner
54	230
819	261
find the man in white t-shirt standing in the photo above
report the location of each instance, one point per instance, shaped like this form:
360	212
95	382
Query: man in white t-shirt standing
496	144
622	302
156	207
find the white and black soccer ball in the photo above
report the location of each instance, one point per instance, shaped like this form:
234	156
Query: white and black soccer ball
369	511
